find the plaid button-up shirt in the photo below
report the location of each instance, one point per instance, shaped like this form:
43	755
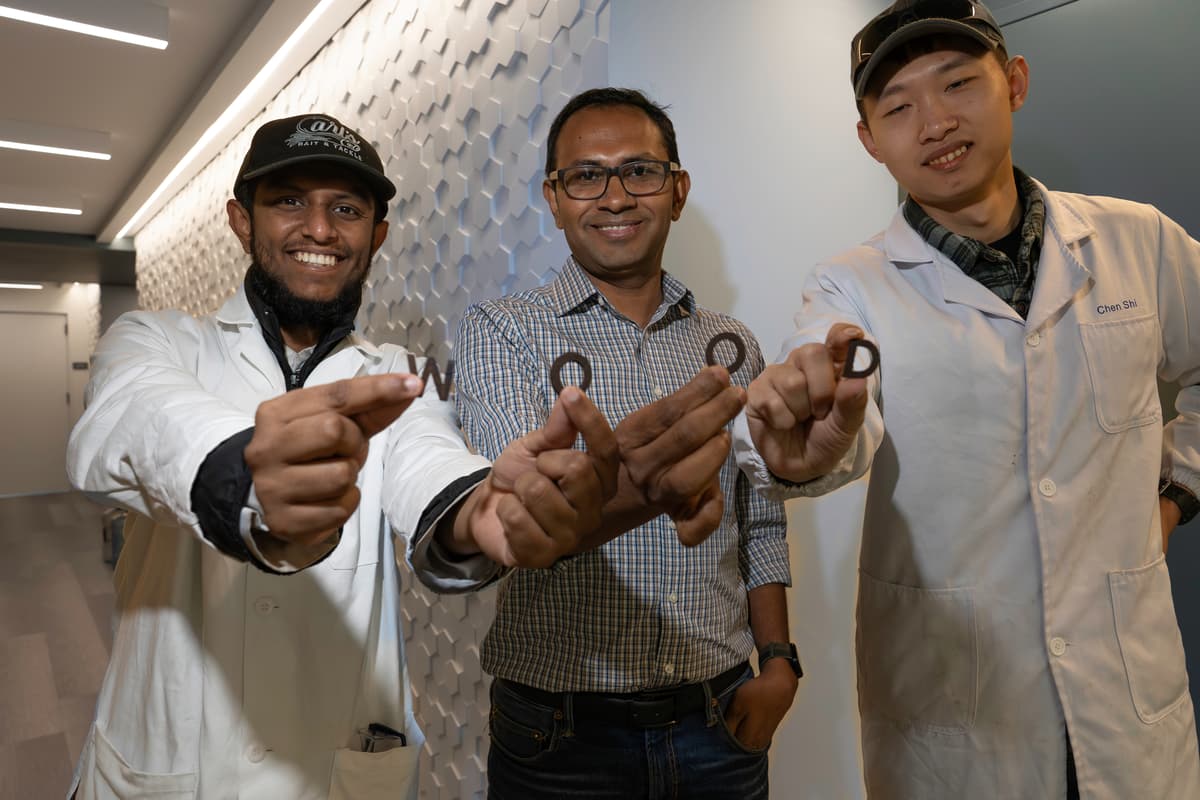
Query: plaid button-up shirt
1011	281
642	611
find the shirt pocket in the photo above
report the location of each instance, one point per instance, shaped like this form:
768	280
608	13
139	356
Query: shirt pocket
1151	645
918	655
1122	360
116	779
358	775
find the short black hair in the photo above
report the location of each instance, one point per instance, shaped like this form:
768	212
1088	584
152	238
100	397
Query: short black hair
611	96
244	194
910	51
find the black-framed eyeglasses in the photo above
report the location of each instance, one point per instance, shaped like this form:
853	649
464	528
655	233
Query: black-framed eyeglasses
590	181
877	31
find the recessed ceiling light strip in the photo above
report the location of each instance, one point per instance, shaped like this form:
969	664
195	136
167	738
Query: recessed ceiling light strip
57	151
87	29
40	209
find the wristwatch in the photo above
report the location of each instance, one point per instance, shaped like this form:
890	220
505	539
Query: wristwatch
784	650
1180	496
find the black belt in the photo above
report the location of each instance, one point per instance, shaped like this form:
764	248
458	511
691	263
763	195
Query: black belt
638	710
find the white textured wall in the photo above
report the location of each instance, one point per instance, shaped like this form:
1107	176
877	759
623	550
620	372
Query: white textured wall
458	98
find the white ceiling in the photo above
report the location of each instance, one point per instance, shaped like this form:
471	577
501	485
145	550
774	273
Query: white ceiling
156	105
137	94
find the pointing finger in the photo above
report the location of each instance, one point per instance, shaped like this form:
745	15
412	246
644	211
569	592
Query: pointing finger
349	397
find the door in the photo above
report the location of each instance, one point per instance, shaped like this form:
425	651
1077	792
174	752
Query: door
34	410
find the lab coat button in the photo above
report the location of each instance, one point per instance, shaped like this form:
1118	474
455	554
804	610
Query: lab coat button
264	605
1033	339
255	753
1058	646
1047	487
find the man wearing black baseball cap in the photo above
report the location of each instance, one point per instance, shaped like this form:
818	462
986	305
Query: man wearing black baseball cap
266	454
1016	633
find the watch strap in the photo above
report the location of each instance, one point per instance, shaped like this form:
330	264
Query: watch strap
785	650
1181	496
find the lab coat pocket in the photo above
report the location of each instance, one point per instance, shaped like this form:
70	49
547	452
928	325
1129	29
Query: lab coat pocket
918	655
115	779
1122	359
1148	634
391	774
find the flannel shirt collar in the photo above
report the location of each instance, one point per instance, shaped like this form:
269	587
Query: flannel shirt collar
967	252
574	291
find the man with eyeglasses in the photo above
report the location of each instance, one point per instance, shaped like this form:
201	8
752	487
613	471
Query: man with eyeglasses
623	671
1016	633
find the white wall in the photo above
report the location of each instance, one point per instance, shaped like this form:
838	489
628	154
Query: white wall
760	97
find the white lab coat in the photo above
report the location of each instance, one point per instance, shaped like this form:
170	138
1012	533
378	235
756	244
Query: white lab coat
226	681
1012	579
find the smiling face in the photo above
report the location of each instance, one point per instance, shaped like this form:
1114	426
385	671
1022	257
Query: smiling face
942	125
617	238
312	231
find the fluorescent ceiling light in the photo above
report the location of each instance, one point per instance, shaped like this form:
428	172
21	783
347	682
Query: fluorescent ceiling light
231	112
14	197
20	286
131	21
55	151
40	209
16	135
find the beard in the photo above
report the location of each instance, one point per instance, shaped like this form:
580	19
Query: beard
294	311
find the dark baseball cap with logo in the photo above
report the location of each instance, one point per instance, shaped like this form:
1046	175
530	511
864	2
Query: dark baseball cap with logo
906	20
306	138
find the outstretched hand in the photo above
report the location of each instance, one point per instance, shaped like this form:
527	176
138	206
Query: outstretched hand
802	414
672	451
543	498
309	445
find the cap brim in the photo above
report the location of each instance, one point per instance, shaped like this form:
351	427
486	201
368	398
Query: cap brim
383	188
917	30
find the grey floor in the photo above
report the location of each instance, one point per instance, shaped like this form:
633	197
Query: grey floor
56	600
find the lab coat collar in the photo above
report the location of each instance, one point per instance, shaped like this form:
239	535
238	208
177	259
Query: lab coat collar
906	249
1061	274
251	348
903	245
236	312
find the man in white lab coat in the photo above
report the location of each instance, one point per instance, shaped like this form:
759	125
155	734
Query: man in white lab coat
1016	633
268	455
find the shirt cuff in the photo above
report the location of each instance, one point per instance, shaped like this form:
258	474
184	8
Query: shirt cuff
773	487
1182	496
435	566
277	555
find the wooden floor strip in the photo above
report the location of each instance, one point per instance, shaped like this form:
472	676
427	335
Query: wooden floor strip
56	601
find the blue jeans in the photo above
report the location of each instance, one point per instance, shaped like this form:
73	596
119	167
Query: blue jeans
544	753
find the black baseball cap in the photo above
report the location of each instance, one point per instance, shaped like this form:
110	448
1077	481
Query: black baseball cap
906	20
314	137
